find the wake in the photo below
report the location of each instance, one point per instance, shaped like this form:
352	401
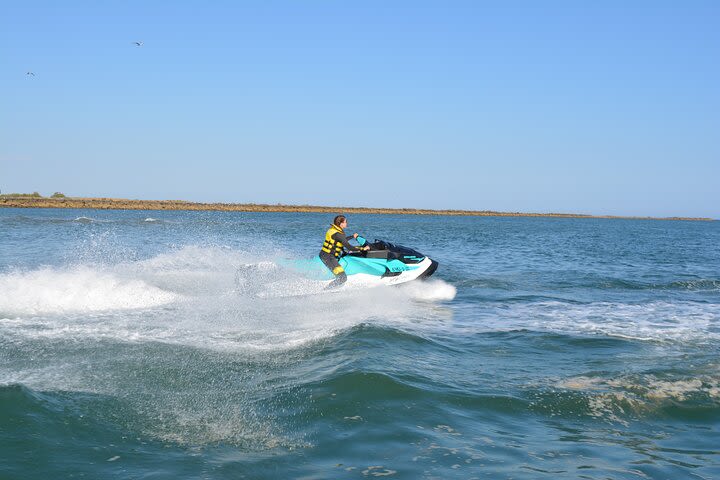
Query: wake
212	297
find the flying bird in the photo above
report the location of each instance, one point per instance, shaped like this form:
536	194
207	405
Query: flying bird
30	73
138	44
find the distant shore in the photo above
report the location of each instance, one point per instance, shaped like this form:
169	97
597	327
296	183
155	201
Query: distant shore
10	201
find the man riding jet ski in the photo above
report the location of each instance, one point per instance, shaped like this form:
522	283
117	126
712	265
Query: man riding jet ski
377	263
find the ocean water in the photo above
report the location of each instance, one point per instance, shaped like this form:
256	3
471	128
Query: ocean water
164	345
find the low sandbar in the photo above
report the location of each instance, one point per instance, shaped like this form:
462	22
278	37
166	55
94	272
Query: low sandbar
127	204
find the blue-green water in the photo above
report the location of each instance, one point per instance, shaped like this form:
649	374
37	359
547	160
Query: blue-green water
140	345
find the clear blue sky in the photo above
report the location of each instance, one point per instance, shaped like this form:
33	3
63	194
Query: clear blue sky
595	107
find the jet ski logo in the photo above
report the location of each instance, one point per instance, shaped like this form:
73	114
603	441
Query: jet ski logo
398	268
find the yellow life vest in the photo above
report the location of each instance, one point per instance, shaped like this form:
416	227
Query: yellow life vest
330	245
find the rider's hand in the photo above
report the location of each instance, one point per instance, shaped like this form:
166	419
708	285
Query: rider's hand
366	248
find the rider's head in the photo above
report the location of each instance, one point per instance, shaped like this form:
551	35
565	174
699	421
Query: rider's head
340	221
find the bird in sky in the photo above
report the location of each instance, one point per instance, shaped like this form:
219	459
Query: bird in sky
30	73
138	44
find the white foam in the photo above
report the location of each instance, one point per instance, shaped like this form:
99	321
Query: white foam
82	289
651	321
429	290
614	398
211	297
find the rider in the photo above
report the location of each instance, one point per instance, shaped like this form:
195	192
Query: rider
335	241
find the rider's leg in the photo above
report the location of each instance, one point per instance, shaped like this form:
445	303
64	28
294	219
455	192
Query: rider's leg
340	277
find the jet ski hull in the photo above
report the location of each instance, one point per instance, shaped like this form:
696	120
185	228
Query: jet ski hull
370	274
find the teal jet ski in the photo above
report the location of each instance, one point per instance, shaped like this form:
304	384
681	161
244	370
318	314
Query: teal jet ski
384	263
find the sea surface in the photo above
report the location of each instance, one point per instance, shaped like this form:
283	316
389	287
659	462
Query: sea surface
166	345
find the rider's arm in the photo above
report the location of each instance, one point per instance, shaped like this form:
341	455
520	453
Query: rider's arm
339	237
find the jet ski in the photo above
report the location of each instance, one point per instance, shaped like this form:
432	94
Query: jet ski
384	263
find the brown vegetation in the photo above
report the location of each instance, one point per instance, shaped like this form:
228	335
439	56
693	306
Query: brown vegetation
26	201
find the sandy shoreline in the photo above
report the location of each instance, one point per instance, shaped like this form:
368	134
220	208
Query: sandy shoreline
126	204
